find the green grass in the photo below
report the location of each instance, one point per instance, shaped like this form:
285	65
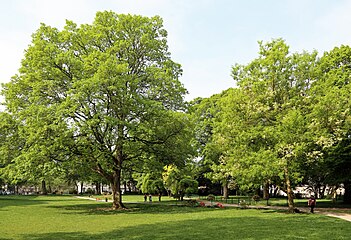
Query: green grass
65	217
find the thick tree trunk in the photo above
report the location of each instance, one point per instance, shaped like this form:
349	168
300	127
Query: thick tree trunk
44	191
289	191
225	190
116	190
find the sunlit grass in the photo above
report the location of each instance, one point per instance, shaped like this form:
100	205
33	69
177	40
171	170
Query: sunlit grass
66	217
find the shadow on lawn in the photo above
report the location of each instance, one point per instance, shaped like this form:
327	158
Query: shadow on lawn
13	200
30	200
238	227
131	208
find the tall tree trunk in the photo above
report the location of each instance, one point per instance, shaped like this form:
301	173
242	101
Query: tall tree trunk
98	188
225	190
81	187
266	190
289	190
125	186
129	186
43	188
116	190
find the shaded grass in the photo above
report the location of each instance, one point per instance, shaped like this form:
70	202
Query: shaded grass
60	217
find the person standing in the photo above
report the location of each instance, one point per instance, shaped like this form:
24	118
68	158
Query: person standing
150	197
145	197
312	203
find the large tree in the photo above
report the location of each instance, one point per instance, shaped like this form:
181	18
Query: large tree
106	92
272	141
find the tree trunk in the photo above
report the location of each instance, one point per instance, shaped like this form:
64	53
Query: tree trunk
116	190
98	188
225	190
81	187
43	188
322	191
125	186
129	185
289	190
266	190
347	195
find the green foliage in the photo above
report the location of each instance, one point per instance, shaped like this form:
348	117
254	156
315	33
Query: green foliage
179	182
105	95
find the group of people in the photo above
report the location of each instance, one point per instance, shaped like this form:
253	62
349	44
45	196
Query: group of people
150	197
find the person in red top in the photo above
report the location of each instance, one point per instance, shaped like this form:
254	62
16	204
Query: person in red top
312	203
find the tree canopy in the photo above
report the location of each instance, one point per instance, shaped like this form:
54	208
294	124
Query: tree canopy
106	94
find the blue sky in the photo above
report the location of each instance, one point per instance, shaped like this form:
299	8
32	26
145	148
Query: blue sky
206	37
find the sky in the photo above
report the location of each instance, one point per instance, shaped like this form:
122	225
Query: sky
207	37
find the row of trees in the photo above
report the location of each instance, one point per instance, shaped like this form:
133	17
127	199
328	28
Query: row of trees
286	123
103	102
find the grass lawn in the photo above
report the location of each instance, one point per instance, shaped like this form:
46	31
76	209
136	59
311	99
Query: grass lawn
65	217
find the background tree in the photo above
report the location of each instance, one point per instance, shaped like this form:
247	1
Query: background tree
330	120
179	181
276	85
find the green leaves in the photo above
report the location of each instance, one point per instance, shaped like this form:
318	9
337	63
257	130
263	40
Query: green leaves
107	92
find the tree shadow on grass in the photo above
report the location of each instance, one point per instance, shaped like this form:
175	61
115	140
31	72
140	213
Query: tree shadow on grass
277	227
7	201
131	208
30	200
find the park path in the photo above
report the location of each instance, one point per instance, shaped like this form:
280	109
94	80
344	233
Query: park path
343	216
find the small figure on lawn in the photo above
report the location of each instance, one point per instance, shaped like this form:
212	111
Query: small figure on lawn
145	197
159	197
312	203
150	197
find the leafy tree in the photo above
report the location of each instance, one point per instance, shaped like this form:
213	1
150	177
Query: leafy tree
107	93
330	120
179	181
273	138
205	113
